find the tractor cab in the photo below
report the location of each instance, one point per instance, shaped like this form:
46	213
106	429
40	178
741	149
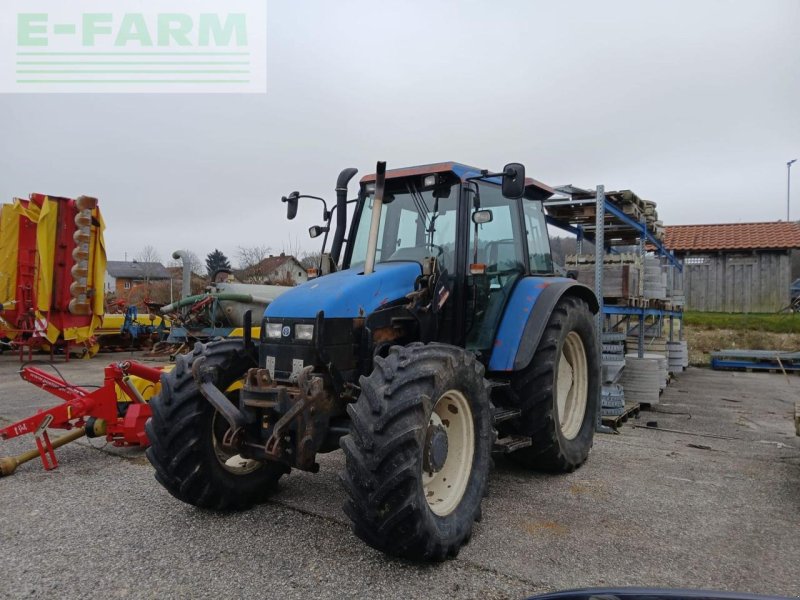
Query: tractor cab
468	233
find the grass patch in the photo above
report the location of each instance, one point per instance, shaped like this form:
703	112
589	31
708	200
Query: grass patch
767	322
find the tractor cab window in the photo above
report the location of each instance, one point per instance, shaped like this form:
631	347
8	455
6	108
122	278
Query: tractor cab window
414	224
496	249
538	239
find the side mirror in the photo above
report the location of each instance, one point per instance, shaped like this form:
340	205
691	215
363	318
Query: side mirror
479	217
291	205
514	180
316	231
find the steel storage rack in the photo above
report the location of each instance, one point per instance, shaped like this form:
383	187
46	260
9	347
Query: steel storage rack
613	222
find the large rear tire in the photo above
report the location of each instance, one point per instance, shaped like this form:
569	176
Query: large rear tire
419	451
559	390
185	434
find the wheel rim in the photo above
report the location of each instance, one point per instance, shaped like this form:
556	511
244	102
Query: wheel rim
233	463
572	385
445	487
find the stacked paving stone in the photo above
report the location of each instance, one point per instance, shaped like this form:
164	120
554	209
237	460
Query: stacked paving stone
613	396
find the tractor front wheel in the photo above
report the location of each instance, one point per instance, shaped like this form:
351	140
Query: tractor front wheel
186	433
419	451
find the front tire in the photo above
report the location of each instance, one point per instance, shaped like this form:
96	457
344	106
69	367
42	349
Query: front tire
419	451
558	391
185	434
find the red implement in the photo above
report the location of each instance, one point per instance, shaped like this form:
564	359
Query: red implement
100	411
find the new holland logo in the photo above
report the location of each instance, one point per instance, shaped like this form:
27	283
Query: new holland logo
286	331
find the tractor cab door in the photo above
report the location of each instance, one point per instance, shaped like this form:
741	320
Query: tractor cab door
496	258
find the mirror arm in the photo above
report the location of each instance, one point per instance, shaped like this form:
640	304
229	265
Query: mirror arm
326	215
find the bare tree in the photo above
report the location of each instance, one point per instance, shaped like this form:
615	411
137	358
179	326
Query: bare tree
249	260
147	254
292	247
309	259
146	257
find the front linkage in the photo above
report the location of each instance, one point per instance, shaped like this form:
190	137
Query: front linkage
287	424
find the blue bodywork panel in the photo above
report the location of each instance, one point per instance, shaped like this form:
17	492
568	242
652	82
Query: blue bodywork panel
512	325
346	294
464	171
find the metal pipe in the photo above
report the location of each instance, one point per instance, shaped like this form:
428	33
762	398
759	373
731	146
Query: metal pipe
9	464
186	259
789	185
377	205
599	252
223	297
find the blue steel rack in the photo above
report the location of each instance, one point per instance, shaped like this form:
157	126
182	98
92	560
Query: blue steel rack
622	223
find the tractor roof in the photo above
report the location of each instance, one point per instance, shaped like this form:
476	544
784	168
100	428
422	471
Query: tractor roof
462	172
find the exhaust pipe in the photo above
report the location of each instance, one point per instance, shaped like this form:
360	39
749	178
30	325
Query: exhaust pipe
377	206
341	211
186	287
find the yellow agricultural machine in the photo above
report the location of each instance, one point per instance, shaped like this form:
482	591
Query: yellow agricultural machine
52	267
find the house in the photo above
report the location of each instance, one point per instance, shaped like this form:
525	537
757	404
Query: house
736	267
123	275
275	270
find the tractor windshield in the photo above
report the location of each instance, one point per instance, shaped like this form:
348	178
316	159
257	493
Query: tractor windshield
414	224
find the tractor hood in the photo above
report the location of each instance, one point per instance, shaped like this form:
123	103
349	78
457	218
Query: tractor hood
347	294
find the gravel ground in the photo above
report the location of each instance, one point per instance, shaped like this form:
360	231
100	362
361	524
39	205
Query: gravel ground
651	507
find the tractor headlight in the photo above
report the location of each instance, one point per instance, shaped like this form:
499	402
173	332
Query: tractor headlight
304	332
274	330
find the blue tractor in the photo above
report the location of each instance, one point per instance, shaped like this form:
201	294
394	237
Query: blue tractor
438	335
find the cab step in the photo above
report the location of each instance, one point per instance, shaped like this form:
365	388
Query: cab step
511	443
506	414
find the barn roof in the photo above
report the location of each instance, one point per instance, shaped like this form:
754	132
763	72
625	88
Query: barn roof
136	270
733	236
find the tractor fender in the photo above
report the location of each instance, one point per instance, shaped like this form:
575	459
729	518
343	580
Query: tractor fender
526	315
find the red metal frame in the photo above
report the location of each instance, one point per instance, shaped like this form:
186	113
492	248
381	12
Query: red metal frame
80	404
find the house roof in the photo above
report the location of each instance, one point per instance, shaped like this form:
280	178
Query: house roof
136	270
733	236
267	266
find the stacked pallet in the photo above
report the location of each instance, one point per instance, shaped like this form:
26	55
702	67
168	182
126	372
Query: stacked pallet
627	201
629	280
756	360
620	275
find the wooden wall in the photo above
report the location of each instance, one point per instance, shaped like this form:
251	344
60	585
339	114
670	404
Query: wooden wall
737	281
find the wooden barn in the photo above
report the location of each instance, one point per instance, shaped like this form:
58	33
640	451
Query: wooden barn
736	267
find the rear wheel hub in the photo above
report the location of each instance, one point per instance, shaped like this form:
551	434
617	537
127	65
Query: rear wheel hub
435	448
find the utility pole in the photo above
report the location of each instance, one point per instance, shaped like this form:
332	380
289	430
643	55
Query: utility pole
789	185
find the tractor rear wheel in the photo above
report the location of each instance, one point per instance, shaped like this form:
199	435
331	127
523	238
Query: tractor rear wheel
419	451
186	432
558	391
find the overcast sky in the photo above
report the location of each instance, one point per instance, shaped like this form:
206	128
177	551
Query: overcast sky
693	104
